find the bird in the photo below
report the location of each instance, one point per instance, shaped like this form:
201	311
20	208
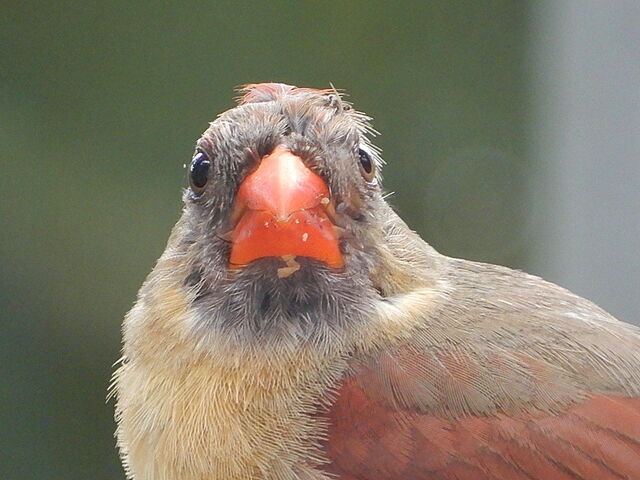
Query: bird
296	328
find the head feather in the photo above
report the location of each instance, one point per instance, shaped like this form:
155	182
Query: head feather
266	92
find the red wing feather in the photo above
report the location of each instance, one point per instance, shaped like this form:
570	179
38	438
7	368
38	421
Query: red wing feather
597	439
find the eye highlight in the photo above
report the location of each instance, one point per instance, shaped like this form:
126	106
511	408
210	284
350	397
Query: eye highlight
199	172
367	165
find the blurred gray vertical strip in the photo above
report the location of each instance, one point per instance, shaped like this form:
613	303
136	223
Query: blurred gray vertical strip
585	139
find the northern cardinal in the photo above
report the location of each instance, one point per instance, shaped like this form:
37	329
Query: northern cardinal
296	328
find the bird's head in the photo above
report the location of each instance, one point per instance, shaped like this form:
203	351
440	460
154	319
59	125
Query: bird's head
285	221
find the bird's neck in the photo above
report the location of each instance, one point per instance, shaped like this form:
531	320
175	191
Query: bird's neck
195	406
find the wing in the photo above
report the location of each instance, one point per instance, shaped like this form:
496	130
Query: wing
371	438
495	392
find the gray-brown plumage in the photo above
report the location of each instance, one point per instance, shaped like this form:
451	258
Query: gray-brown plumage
318	337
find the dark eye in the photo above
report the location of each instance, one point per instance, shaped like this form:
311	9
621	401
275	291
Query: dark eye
199	172
367	167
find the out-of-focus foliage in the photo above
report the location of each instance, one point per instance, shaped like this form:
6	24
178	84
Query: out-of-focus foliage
100	105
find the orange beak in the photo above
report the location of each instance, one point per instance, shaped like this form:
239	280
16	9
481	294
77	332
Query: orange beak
282	209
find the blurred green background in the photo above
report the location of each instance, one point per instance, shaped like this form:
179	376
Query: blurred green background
100	106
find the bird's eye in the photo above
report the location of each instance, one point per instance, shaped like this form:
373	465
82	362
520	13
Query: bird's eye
199	172
367	165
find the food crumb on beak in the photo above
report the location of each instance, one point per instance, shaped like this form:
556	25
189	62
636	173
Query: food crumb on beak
305	237
291	268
